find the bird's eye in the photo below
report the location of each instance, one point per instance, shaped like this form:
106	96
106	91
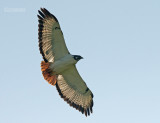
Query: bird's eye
57	28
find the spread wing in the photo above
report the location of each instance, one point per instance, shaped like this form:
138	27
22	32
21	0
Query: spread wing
74	90
51	41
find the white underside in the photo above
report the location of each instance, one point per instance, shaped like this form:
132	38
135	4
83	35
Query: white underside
62	64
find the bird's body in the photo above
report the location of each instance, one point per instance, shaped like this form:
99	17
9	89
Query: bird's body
58	67
62	64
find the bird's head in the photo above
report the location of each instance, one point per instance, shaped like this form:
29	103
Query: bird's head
77	57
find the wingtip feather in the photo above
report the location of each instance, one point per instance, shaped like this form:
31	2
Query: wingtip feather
85	111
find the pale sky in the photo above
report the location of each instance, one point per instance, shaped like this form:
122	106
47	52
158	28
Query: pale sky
120	43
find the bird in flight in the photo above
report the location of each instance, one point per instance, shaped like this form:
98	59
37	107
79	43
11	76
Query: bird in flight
58	67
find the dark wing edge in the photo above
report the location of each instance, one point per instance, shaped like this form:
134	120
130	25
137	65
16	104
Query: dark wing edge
43	14
83	110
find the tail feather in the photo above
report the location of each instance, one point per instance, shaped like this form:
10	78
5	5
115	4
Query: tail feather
47	73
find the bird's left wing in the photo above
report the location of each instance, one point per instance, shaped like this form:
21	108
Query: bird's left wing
74	90
51	41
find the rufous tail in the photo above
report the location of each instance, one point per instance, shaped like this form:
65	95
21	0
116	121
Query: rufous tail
51	79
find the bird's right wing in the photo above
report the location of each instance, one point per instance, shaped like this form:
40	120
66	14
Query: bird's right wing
51	41
74	90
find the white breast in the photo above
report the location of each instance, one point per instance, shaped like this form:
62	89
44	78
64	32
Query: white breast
63	64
